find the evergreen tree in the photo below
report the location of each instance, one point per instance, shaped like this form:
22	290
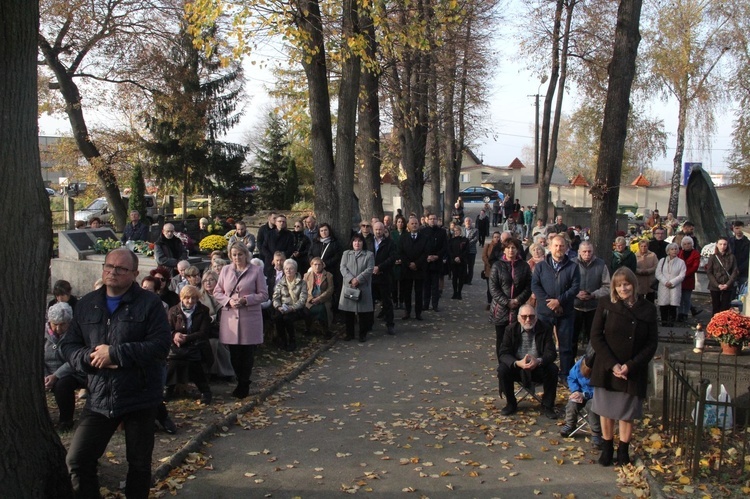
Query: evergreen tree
137	192
196	103
275	169
292	183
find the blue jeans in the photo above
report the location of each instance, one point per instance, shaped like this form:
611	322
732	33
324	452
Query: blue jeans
90	441
564	326
685	301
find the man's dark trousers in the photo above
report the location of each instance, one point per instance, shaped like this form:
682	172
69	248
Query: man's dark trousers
91	440
564	325
406	287
547	375
431	287
382	291
584	320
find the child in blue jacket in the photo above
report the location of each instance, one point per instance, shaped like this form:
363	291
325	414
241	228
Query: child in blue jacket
581	394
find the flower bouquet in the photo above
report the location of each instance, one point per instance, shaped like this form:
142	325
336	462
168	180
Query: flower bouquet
143	247
104	246
730	328
213	243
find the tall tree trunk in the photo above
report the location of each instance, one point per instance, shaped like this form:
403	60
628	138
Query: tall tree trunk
371	198
435	140
33	462
674	191
605	191
409	79
545	178
74	110
552	157
321	136
449	128
346	126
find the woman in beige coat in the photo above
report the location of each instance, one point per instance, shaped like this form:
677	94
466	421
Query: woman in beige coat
240	291
646	262
289	298
319	296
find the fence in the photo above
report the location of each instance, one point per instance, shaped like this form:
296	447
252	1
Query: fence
709	436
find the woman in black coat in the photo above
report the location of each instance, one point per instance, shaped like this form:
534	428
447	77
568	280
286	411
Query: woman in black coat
624	335
327	248
458	254
190	322
510	287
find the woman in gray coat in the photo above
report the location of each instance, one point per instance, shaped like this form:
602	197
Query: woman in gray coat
356	270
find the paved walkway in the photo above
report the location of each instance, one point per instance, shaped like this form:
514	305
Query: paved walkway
418	412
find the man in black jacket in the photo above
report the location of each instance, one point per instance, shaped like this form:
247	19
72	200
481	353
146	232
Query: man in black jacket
413	254
385	256
740	246
135	230
120	338
528	355
280	239
437	246
658	245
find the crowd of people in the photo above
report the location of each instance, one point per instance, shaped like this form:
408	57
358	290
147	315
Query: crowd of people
547	294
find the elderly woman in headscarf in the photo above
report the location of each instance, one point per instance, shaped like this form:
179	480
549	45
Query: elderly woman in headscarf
59	376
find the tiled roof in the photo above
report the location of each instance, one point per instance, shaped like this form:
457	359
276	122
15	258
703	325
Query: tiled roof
579	181
641	181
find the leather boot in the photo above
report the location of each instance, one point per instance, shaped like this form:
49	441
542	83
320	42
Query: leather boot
623	457
608	448
242	390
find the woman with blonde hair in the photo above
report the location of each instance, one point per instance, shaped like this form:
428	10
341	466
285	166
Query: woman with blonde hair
240	290
624	336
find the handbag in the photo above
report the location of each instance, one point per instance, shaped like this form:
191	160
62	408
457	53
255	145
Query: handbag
352	294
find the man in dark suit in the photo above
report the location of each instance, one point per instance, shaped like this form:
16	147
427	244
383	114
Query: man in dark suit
385	256
280	239
437	245
413	254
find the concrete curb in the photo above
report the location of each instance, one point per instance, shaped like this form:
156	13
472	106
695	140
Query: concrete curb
207	433
654	487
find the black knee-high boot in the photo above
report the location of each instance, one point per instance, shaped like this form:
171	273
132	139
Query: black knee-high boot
608	448
623	457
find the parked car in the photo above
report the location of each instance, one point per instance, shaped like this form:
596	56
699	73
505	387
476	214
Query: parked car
99	207
196	208
50	192
479	195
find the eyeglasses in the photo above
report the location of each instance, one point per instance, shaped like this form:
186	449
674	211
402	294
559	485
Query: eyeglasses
527	317
297	226
365	225
169	232
115	269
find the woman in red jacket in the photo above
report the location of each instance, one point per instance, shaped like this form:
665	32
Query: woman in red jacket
692	259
